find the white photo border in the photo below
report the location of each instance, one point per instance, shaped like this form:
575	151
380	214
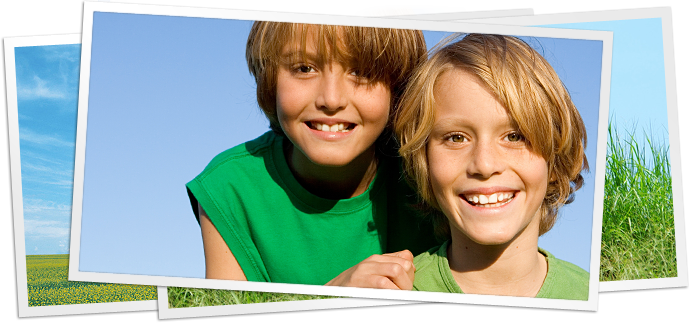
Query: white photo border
460	16
75	274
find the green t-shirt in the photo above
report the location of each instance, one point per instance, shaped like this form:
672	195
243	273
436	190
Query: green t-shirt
563	279
279	232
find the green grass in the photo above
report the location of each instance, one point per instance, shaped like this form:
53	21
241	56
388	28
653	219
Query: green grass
47	284
196	297
638	236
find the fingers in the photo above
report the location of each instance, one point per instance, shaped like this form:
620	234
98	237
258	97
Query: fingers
388	271
407	263
381	272
399	273
404	260
405	254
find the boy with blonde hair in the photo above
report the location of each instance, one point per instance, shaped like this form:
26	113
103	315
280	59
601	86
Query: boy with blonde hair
495	146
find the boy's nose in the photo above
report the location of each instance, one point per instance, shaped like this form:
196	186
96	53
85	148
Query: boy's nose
486	160
332	96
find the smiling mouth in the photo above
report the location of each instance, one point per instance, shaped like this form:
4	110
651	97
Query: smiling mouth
489	201
338	127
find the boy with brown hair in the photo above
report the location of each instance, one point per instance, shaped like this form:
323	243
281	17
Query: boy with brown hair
310	198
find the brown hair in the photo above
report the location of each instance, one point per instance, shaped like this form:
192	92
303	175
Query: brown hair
378	54
530	90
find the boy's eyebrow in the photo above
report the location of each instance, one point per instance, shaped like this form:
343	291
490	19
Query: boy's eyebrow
293	55
298	54
446	123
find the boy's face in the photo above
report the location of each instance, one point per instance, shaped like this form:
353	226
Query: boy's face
484	177
325	110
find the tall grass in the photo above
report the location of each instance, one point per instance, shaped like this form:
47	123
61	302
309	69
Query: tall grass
638	236
196	297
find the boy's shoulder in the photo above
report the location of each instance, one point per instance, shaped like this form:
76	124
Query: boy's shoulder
564	280
253	163
249	152
253	147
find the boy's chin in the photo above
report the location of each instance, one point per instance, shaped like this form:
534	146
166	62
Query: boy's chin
334	157
492	240
336	162
495	239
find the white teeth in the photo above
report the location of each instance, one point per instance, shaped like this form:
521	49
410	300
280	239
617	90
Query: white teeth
338	127
483	199
490	200
493	198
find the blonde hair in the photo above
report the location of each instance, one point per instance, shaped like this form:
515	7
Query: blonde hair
532	93
378	55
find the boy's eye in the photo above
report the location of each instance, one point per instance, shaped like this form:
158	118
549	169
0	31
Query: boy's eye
359	76
304	69
515	137
457	138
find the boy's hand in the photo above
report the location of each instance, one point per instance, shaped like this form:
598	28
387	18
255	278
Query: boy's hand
389	271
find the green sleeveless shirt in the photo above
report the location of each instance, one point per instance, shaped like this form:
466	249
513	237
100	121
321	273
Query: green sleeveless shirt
280	232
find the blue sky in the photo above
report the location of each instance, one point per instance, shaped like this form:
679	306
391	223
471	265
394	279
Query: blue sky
47	83
47	90
37	26
167	94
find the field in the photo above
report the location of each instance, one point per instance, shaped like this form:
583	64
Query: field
47	284
196	297
638	235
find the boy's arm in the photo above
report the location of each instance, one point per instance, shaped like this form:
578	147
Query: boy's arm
220	262
388	271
